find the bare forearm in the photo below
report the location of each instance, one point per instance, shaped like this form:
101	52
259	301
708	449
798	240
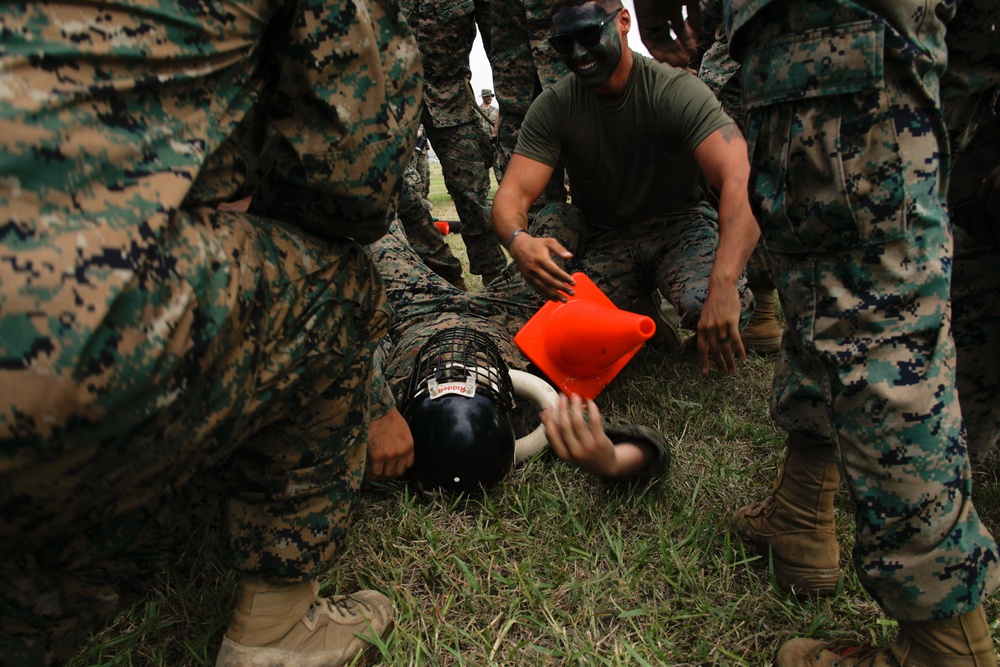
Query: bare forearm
508	216
738	235
722	156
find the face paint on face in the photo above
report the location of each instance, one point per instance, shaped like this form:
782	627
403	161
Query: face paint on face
595	65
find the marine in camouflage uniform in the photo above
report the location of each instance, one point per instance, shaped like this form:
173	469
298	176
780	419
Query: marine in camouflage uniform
414	175
490	112
523	66
424	169
488	119
861	249
445	32
422	304
146	335
971	287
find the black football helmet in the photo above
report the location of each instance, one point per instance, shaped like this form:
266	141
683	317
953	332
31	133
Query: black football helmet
458	408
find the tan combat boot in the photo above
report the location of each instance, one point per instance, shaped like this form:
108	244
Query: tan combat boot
960	641
288	626
762	333
668	323
796	521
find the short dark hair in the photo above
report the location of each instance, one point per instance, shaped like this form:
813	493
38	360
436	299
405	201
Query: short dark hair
608	5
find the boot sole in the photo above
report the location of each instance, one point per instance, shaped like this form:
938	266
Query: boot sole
805	581
763	348
233	654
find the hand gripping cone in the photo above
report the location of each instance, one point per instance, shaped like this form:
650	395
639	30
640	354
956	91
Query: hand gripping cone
581	345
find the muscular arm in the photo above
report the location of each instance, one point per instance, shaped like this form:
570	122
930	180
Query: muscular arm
722	157
522	183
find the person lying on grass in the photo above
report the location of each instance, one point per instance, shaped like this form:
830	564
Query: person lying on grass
423	304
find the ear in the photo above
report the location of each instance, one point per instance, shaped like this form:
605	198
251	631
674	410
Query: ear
625	21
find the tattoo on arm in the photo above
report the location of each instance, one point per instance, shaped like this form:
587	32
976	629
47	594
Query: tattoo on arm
730	132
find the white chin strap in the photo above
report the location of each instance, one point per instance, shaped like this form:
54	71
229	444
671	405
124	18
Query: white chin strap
542	394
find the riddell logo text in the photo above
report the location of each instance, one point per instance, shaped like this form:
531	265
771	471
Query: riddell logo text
467	389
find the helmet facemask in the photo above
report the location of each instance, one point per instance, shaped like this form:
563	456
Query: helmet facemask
458	408
461	361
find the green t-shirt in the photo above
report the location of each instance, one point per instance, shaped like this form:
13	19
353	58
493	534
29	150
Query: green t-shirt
631	160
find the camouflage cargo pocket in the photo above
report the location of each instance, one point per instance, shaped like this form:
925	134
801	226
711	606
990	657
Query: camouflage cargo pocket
828	164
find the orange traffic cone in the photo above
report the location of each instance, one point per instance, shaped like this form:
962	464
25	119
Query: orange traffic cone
584	343
448	226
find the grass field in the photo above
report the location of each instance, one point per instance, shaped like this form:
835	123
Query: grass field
553	567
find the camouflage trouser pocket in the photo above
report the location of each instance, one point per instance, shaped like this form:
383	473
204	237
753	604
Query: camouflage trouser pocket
828	165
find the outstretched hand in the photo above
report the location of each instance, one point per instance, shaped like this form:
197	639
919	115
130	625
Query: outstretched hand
534	259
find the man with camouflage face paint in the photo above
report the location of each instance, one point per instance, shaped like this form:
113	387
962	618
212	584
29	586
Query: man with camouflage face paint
146	334
637	139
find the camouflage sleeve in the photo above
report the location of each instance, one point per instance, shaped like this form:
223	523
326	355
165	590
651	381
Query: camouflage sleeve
381	400
625	432
345	111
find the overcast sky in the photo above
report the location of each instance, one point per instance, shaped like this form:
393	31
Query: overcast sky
482	76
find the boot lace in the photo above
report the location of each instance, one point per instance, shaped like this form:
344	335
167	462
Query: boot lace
343	607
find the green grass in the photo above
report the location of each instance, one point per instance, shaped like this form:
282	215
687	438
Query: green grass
554	567
444	208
